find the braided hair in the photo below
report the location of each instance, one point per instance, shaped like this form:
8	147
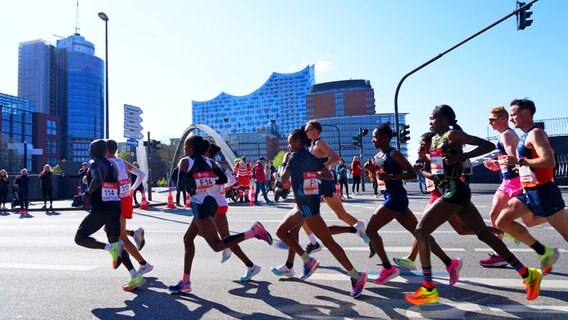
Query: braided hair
449	113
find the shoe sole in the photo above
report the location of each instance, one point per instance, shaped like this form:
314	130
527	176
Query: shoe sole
245	279
494	265
128	288
404	265
282	274
419	303
305	277
179	291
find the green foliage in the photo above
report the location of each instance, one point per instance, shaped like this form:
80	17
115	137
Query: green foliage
161	182
278	159
57	169
124	155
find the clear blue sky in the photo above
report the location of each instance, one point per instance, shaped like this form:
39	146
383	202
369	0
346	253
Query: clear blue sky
163	54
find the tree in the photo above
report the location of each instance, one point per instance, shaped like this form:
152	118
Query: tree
278	159
124	155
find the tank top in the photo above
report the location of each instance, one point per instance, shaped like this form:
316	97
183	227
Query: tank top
387	164
443	172
123	179
218	191
199	177
532	177
106	197
508	172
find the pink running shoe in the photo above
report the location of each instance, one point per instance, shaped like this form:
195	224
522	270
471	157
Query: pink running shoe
493	261
454	270
386	275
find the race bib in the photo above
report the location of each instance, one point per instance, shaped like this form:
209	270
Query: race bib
204	180
109	191
124	188
504	168
436	161
430	186
527	176
380	183
311	183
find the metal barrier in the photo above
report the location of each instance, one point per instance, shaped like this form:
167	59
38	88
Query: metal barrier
561	166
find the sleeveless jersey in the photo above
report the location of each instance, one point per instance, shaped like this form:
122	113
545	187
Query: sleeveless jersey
443	172
200	177
508	172
532	177
385	163
106	197
123	179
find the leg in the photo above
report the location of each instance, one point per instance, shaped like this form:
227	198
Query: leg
559	221
335	204
291	222
320	229
223	230
128	245
381	217
515	209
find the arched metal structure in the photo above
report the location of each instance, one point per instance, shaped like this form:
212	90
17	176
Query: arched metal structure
225	148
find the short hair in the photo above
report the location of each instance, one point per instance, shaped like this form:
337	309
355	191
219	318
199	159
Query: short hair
427	136
112	146
499	111
200	145
300	134
384	129
315	124
524	104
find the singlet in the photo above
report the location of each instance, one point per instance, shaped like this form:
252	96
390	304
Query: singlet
388	165
105	197
532	177
123	179
508	172
443	172
218	191
304	167
199	177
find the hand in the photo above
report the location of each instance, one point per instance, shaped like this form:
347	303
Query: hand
417	167
384	176
491	164
508	160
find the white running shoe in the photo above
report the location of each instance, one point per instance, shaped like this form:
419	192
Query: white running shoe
251	272
283	271
360	226
225	255
145	268
139	238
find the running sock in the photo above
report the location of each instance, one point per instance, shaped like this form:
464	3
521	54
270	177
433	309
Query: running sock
352	229
427	277
289	265
133	272
538	247
312	238
515	263
248	234
305	257
108	246
249	265
185	278
353	273
447	261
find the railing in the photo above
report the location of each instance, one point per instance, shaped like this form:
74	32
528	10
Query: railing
553	127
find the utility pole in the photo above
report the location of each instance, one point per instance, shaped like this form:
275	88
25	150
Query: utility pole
149	153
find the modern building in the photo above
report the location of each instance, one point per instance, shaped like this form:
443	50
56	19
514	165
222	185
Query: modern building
66	81
280	102
340	98
16	133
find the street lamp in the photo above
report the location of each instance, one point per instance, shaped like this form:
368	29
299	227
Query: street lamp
104	17
338	136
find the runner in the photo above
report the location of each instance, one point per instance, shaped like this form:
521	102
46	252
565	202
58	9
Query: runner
511	185
392	168
126	209
202	174
321	150
218	193
446	156
103	193
304	170
540	195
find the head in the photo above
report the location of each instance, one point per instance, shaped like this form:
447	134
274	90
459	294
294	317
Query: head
3	174
442	119
244	159
261	159
24	171
98	148
355	158
499	118
424	142
522	112
196	145
342	161
382	136
84	165
212	151
112	146
136	164
298	140
47	168
313	129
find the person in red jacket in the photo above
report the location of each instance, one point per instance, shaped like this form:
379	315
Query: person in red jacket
260	180
356	172
243	172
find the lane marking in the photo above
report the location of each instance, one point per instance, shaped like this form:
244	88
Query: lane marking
56	267
527	308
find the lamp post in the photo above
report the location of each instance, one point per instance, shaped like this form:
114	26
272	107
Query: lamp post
338	136
104	17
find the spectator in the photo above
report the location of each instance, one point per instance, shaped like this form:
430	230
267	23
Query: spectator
268	176
140	188
22	182
46	185
243	172
370	166
260	180
4	187
356	172
82	174
179	180
341	169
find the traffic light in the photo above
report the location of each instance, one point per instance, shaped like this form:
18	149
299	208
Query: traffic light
523	16
358	140
156	145
404	133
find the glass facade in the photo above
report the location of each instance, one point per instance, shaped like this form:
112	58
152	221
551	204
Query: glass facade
16	131
281	100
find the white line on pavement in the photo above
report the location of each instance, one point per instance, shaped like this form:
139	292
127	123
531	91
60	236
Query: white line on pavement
57	267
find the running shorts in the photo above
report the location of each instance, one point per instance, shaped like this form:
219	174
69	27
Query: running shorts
95	220
396	201
512	187
126	207
205	209
543	200
456	192
309	205
327	188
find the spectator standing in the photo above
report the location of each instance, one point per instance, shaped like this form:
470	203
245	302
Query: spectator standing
46	185
82	174
22	183
260	180
140	187
179	181
4	187
356	172
243	172
268	176
341	169
370	166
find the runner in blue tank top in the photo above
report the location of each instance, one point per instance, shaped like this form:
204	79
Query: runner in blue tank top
446	155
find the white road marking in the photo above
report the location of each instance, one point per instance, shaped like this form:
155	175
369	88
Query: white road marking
56	267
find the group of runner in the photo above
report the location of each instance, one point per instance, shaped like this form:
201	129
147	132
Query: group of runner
528	191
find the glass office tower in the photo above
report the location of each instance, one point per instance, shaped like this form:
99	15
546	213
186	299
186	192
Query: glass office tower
16	128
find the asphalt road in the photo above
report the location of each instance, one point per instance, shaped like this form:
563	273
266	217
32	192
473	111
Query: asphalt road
45	275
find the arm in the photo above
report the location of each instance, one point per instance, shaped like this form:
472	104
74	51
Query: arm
97	178
461	138
408	173
325	174
221	176
140	175
332	155
538	139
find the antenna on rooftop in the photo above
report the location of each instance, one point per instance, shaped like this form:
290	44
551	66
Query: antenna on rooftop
77	19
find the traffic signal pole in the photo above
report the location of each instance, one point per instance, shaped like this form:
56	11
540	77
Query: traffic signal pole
519	9
149	154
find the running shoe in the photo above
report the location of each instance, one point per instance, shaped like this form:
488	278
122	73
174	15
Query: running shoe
493	261
357	285
422	296
180	287
386	275
261	233
548	259
283	271
225	255
532	283
510	237
454	270
145	268
309	268
313	248
371	251
405	262
361	232
251	272
134	283
116	253
139	238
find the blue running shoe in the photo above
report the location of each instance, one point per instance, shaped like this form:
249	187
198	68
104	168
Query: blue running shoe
180	287
309	268
261	233
358	284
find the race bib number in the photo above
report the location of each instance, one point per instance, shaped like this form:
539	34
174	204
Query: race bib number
124	188
380	183
204	180
109	192
311	186
504	168
527	176
436	161
430	186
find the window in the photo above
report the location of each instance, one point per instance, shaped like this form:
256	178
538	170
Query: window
51	128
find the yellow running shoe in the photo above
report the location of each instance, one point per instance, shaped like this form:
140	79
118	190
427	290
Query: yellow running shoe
532	283
422	296
548	259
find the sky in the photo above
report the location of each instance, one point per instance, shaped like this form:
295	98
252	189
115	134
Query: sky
164	54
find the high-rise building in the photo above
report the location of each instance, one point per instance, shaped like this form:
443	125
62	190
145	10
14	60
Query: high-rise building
66	80
340	98
16	123
279	103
